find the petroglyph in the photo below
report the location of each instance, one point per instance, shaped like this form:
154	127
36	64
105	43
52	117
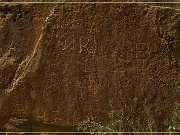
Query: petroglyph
70	45
83	43
78	57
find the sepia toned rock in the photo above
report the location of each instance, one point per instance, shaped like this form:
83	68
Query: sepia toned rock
17	125
60	63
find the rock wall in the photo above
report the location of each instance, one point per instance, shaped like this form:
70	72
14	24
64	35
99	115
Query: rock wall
60	63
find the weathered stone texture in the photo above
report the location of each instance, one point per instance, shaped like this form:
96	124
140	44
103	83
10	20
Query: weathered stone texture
62	62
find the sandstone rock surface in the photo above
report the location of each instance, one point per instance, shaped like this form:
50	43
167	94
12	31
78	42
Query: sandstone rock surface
62	62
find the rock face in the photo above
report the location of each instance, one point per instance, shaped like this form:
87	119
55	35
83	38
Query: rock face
62	62
18	125
27	124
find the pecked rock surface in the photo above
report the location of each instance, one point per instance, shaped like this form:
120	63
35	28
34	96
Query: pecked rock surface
60	63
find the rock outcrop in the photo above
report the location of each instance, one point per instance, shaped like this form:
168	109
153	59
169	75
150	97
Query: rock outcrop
18	124
60	63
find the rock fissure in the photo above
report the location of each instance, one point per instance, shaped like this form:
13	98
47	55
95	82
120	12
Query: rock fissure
32	63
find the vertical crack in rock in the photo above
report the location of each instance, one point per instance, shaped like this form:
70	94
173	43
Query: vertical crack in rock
32	63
